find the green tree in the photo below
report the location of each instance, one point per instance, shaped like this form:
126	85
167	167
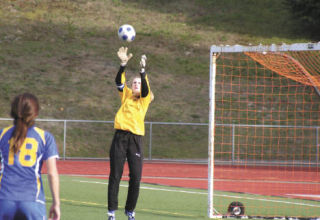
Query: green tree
308	12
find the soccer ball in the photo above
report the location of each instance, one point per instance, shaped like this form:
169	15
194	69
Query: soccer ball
126	33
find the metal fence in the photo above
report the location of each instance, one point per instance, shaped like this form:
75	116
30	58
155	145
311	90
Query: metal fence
66	125
90	139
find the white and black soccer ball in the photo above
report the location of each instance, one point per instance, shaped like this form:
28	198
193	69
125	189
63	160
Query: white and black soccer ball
126	33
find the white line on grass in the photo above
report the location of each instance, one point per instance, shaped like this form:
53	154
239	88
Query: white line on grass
200	179
144	177
306	195
202	193
145	187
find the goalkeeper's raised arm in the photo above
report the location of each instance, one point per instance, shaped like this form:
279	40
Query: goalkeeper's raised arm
144	83
124	58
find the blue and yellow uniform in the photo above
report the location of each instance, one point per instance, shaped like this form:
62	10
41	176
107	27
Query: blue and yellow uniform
20	178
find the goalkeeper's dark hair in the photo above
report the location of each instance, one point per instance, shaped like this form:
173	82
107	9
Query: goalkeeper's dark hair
24	110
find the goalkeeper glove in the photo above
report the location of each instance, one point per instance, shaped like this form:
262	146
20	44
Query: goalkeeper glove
123	56
143	63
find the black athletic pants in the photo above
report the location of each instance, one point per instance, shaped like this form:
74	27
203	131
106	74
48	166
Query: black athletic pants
125	145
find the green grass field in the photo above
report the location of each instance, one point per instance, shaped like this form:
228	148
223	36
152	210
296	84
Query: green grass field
86	198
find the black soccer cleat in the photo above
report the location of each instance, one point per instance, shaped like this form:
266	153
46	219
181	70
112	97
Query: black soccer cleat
111	215
130	215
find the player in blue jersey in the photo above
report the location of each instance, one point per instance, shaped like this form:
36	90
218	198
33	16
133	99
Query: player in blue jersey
24	148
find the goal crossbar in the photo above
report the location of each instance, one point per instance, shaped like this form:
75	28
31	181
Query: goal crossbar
265	48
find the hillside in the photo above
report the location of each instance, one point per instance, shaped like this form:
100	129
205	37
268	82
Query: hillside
65	51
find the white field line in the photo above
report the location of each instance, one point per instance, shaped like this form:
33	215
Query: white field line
306	195
204	193
144	177
203	179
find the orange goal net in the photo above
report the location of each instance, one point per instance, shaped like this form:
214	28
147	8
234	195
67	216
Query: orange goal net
264	131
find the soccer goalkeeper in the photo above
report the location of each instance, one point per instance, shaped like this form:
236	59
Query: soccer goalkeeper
127	140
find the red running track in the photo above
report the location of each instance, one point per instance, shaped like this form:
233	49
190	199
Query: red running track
295	182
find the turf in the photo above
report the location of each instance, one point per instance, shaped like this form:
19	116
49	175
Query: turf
86	198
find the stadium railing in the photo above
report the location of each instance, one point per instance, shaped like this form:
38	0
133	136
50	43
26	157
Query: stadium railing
234	157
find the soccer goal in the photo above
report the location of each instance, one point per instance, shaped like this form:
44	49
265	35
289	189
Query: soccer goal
264	135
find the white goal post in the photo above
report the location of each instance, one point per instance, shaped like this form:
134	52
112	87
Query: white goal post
215	52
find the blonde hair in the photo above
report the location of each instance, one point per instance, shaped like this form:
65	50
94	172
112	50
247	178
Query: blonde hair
139	77
133	78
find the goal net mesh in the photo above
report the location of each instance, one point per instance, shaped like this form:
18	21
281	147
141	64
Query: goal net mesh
266	133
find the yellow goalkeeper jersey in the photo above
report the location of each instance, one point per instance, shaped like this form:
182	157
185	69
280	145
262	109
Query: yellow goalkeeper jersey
130	116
